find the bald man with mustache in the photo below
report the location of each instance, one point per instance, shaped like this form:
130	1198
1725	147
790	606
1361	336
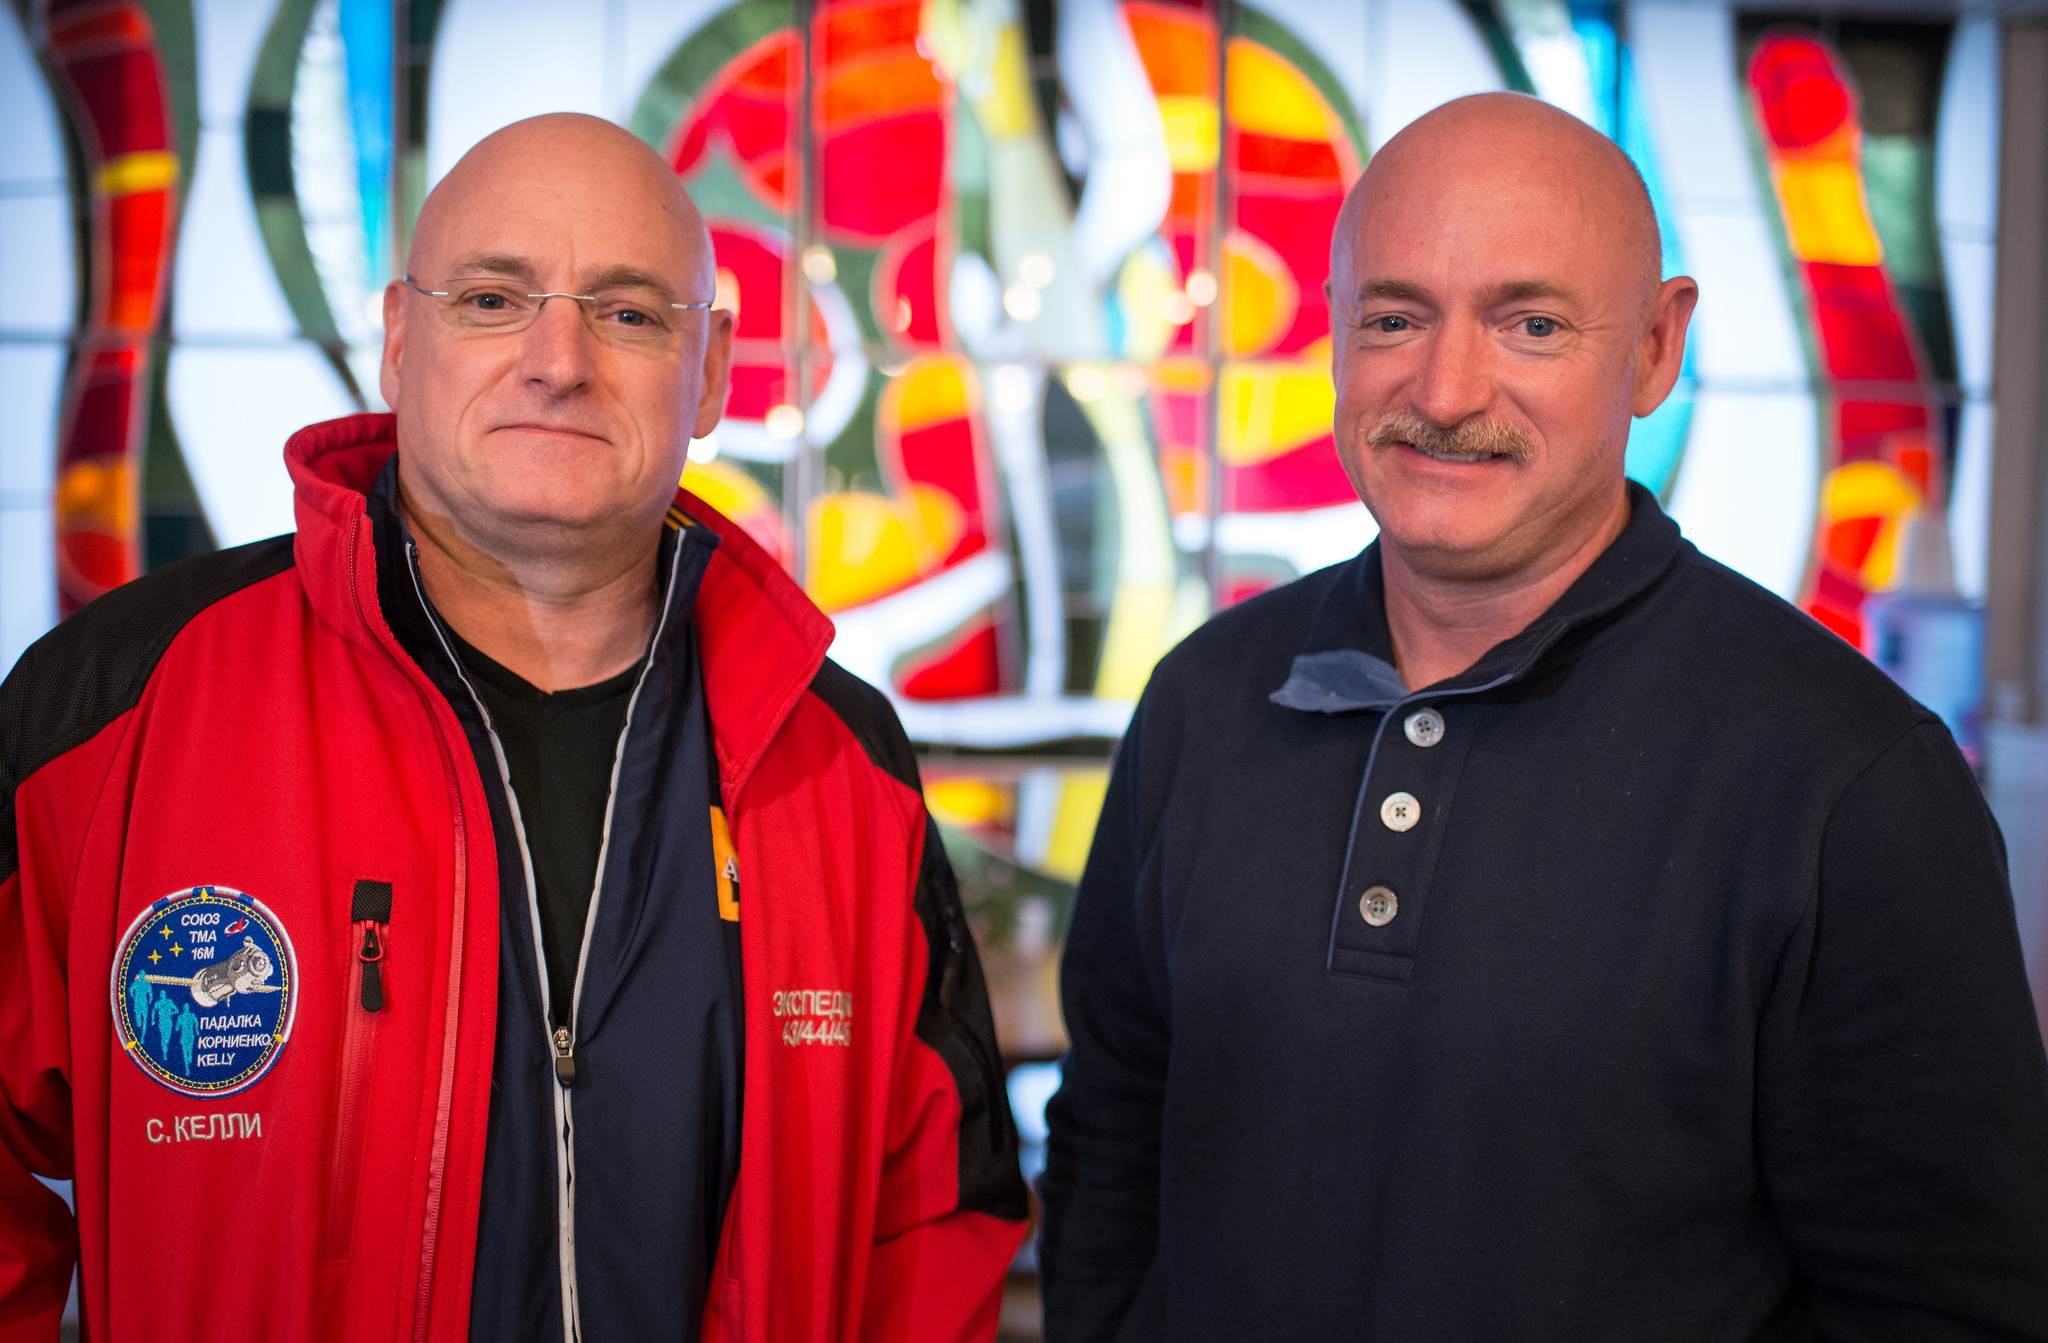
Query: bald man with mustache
1531	929
609	980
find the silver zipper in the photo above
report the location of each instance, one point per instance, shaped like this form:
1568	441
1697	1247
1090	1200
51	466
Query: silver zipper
561	1039
565	1057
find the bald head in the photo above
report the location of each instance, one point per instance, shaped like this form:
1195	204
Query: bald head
1498	321
564	161
1514	153
547	357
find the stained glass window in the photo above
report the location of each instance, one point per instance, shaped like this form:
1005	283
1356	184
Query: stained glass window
1032	348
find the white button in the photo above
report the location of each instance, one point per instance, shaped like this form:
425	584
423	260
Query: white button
1425	727
1379	905
1400	811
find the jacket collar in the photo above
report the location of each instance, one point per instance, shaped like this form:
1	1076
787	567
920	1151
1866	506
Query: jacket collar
761	640
1347	661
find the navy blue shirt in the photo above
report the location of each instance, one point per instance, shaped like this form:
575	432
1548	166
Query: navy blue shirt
1656	977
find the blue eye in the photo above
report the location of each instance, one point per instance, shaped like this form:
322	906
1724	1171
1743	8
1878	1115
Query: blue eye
1540	326
1390	324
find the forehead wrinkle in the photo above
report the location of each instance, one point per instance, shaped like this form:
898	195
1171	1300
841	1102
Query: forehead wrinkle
497	263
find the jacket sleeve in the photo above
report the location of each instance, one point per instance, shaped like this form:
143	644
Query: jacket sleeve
1099	1247
38	1236
1902	1092
937	1272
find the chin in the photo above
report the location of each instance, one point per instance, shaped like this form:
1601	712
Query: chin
1445	526
552	502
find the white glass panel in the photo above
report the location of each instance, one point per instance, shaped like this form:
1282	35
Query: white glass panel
32	150
1969	499
234	409
1422	53
31	382
1747	488
226	288
1966	193
37	293
500	61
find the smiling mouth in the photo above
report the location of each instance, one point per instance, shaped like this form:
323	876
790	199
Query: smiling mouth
1462	458
1468	443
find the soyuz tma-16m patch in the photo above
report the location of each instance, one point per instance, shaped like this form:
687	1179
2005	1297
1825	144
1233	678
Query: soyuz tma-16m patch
205	984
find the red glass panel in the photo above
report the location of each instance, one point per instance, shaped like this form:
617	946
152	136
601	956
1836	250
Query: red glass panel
1803	99
1307	477
972	666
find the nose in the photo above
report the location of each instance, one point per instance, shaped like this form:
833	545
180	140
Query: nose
558	353
1455	380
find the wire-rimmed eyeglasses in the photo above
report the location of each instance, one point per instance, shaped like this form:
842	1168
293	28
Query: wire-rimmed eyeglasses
629	313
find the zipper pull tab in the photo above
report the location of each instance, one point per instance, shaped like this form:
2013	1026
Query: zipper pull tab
370	908
565	1059
373	975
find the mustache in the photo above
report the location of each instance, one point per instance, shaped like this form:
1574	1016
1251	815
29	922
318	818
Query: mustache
1486	437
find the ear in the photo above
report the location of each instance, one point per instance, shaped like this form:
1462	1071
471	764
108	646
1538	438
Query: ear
389	372
717	373
1661	353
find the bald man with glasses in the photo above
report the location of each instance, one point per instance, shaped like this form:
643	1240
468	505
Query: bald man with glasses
601	973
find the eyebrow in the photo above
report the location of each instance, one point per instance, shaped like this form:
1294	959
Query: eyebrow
521	269
1509	291
1516	291
1400	290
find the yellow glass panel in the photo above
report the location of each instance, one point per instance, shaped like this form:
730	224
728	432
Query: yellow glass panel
1866	489
1181	375
1192	137
1872	490
865	545
1007	111
968	802
1073	823
1259	296
1825	213
1268	408
931	390
1142	287
1269	97
149	170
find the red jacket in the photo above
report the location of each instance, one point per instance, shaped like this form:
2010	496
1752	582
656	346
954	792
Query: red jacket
247	721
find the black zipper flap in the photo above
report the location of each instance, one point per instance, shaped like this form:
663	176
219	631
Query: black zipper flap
371	908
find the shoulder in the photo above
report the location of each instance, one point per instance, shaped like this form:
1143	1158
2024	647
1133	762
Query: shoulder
1778	639
868	715
1249	644
1762	647
93	666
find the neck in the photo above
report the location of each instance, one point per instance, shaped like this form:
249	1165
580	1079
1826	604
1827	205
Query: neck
557	621
1443	623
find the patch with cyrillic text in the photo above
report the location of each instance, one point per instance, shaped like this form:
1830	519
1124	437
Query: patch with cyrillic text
204	988
814	1016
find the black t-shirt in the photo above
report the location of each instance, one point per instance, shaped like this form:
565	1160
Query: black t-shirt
560	748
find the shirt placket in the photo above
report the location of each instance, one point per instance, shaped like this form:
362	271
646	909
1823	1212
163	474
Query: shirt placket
1397	831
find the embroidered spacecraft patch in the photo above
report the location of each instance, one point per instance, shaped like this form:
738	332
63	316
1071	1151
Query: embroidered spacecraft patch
205	985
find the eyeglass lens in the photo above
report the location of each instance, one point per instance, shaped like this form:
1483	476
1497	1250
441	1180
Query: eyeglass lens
622	315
